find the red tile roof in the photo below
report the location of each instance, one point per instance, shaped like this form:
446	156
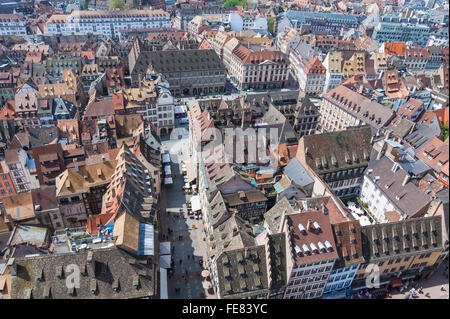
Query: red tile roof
93	221
393	216
436	155
314	66
443	115
310	238
8	110
395	48
410	107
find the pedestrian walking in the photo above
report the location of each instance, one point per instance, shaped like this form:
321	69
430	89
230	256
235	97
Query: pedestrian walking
181	261
442	288
189	257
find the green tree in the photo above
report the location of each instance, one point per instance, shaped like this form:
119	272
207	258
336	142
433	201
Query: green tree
233	3
271	25
444	129
117	4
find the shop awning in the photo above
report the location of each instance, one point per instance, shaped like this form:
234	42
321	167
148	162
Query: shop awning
164	248
190	171
166	158
397	282
163	294
195	203
164	261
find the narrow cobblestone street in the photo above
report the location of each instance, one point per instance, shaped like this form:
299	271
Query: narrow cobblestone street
188	247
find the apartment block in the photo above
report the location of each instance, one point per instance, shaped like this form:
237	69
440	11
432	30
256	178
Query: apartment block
107	23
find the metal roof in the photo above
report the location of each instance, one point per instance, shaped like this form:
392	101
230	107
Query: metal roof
146	244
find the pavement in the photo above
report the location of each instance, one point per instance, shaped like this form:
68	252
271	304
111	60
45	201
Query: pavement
187	242
431	286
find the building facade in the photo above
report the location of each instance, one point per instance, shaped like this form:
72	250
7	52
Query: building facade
13	24
107	23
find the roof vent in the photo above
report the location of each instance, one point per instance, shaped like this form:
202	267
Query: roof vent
302	229
321	247
317	227
314	248
298	251
328	245
306	249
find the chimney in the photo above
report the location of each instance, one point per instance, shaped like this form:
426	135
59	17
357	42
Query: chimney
395	167
309	225
381	152
75	162
406	180
324	209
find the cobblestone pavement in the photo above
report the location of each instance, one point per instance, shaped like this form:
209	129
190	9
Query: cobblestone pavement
431	287
188	245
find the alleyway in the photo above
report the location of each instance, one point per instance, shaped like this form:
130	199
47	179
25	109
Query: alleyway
188	246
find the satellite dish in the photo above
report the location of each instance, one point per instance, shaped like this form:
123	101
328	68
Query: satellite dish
83	246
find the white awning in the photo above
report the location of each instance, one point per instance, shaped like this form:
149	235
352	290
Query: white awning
164	261
163	294
166	158
195	203
167	170
190	171
164	248
168	181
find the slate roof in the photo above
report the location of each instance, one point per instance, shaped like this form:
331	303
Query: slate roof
340	150
232	233
277	254
179	61
409	199
303	17
402	128
347	236
243	272
102	270
251	196
421	135
273	217
41	135
359	106
297	173
405	238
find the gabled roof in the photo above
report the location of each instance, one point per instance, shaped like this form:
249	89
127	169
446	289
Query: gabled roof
109	273
243	272
297	173
408	199
340	150
405	238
